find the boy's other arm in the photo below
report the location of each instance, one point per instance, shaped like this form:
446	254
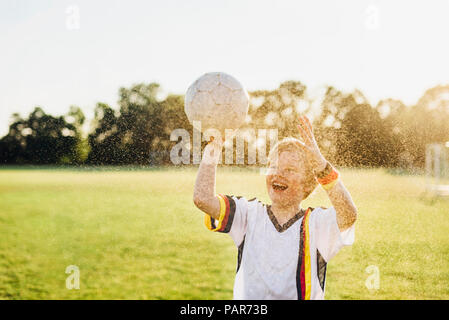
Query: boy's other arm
204	195
344	206
339	196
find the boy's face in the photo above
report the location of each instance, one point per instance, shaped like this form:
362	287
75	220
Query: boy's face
285	179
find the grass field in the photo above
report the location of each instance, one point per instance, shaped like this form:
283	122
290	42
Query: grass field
137	235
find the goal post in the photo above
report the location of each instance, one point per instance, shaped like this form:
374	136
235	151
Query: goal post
437	168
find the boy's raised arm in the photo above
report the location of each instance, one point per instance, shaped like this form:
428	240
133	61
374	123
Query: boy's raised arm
341	199
204	195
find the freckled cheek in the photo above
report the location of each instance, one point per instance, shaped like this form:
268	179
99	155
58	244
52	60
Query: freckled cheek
295	185
293	189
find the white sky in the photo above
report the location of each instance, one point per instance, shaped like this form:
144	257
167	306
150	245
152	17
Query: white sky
394	49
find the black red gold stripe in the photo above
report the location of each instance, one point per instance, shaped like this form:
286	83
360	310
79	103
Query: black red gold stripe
303	272
227	212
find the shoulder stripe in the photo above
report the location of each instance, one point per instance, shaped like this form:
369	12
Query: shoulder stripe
303	272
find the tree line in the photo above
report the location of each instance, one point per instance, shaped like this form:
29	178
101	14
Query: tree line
349	130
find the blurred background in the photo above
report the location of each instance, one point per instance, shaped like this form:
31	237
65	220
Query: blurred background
85	82
90	92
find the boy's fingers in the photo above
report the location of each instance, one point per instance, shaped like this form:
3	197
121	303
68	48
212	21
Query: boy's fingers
309	124
306	127
300	129
303	134
302	145
218	142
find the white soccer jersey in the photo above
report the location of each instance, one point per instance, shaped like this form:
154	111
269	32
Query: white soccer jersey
279	262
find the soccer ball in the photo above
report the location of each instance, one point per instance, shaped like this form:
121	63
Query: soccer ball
216	100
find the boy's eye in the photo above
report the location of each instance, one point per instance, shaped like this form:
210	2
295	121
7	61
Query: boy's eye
273	169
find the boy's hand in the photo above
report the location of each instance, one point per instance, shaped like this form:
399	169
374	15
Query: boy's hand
309	144
212	151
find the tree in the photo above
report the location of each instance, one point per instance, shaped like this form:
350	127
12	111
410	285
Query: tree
76	117
352	131
140	122
104	141
39	139
139	132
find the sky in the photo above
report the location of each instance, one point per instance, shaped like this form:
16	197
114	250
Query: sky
58	53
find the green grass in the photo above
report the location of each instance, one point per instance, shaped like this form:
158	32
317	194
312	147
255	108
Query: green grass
135	234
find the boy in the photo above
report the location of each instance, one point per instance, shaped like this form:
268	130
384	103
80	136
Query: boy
282	249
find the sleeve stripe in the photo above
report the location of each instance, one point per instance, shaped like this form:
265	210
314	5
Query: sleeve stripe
231	213
223	212
226	216
210	222
227	212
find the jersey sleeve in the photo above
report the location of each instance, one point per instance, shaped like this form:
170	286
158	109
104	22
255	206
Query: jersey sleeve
329	238
232	219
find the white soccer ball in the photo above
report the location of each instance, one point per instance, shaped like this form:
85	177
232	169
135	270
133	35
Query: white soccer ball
216	100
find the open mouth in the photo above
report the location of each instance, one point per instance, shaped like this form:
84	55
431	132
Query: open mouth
279	186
